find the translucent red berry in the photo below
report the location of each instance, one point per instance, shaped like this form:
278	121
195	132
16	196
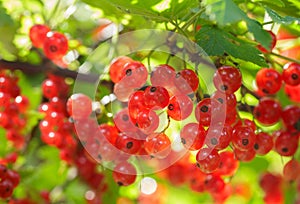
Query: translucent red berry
291	74
55	45
180	107
263	143
124	174
268	80
156	97
116	68
268	111
291	170
163	75
128	144
243	138
291	117
37	34
286	143
158	145
227	79
192	136
186	81
79	106
208	160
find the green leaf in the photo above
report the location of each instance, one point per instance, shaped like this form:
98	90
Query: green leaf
278	3
279	19
143	8
7	33
290	8
226	12
217	42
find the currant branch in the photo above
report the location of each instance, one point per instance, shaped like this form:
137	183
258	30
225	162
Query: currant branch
47	67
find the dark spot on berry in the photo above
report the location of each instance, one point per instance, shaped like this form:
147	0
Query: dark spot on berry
171	107
265	91
206	96
125	117
214	141
245	142
99	156
220	100
128	72
53	48
153	89
294	76
285	149
204	109
120	183
198	165
183	141
224	87
129	145
256	146
297	125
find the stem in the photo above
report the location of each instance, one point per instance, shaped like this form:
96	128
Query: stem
268	22
191	20
284	57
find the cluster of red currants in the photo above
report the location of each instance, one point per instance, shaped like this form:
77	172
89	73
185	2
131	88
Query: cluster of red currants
13	108
269	111
9	180
56	129
54	44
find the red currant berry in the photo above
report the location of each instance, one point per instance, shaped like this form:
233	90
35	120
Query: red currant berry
163	75
263	143
134	74
208	110
268	80
269	181
186	81
136	104
268	111
109	132
228	164
218	138
208	160
192	136
156	97
291	117
147	121
55	45
79	106
243	138
37	34
124	174
123	122
180	107
244	156
227	79
286	143
127	144
291	74
6	188
228	100
116	68
291	170
158	146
